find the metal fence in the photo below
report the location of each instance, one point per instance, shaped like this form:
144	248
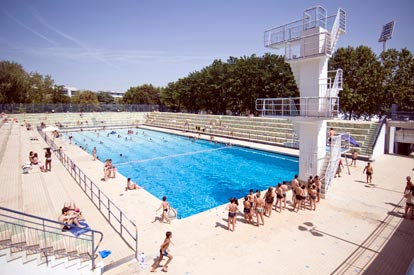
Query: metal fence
118	220
19	108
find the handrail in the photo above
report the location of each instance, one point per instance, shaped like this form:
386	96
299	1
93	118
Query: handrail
307	106
378	130
103	201
43	227
333	159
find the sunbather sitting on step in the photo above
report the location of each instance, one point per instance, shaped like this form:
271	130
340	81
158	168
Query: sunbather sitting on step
69	217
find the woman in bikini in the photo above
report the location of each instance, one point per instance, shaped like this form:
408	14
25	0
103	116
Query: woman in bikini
69	217
36	161
232	208
48	162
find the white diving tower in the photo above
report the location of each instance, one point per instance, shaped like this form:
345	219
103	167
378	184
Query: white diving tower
308	43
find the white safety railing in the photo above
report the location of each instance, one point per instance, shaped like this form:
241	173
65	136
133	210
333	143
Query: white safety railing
333	84
310	45
314	34
323	107
333	156
338	28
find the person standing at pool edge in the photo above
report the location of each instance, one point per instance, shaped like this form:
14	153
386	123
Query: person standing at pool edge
94	153
165	208
164	252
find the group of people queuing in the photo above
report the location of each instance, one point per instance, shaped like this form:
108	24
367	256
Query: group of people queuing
256	206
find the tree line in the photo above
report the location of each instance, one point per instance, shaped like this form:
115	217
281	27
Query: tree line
371	85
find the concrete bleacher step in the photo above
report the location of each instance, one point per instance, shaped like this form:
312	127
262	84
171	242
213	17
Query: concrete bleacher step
33	264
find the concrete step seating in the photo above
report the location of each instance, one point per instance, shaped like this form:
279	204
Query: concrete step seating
87	119
273	130
229	127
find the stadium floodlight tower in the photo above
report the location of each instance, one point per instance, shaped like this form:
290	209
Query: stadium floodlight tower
308	43
386	34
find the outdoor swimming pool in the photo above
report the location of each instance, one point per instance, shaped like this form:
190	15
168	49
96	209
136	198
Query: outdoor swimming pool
194	175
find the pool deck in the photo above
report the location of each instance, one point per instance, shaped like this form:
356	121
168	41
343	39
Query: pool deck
357	229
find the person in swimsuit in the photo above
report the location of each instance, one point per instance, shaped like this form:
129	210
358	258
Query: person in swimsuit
36	161
259	206
69	217
354	157
247	210
251	201
279	197
298	200
269	199
293	184
331	134
409	205
48	162
165	206
312	197
131	185
317	183
369	171
339	168
232	208
94	151
164	252
409	185
285	189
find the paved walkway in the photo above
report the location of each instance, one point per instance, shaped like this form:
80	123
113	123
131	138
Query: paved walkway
357	229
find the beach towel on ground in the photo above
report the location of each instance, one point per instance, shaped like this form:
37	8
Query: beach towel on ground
79	231
104	253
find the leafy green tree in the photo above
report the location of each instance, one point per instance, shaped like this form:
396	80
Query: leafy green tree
363	81
145	94
233	85
58	95
170	97
41	89
399	79
14	83
85	97
105	98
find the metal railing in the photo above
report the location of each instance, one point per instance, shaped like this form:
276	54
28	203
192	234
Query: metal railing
18	108
334	83
333	157
282	35
402	115
338	28
326	107
24	232
310	45
378	131
124	226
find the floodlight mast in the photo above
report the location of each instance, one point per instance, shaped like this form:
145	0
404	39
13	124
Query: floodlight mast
386	34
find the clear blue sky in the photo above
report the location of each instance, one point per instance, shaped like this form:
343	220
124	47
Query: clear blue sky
113	45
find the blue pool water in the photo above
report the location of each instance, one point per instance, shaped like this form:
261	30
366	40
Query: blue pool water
194	175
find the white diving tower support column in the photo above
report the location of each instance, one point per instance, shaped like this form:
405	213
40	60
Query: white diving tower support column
308	43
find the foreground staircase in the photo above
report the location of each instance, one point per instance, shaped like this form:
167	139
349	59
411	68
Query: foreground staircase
28	241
